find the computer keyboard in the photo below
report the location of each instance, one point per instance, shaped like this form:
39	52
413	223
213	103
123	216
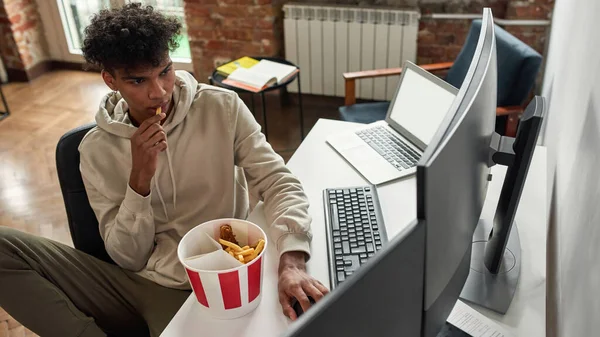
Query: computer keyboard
355	229
392	148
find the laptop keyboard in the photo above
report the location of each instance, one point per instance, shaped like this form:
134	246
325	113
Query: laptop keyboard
393	149
355	229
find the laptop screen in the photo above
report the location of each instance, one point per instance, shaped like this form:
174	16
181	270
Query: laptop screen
421	103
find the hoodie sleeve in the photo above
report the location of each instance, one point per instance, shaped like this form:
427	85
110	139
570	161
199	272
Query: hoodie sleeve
285	203
126	226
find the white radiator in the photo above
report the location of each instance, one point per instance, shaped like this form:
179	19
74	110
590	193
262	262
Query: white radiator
326	41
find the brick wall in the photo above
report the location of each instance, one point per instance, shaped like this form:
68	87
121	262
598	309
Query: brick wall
23	42
220	30
225	29
9	52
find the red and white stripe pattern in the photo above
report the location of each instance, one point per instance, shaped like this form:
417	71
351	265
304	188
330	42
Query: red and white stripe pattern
228	290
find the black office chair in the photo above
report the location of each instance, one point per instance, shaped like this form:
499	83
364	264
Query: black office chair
83	224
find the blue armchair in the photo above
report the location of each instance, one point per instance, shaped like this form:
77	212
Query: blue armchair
518	65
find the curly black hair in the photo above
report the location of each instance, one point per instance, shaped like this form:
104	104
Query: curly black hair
129	37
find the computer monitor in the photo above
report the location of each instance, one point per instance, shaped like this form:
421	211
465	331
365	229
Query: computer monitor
452	181
410	286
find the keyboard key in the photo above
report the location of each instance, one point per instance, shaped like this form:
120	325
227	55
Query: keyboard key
363	255
339	268
371	254
335	222
337	245
370	248
338	252
359	250
341	276
346	247
352	260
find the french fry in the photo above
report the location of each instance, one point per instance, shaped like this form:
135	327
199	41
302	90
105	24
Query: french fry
158	110
246	252
260	246
245	247
232	245
240	258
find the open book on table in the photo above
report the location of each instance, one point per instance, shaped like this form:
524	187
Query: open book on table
260	76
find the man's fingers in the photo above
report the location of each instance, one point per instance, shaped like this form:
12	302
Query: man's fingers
158	137
151	131
323	289
148	122
286	305
300	295
314	292
160	146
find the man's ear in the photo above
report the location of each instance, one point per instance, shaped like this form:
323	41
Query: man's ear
109	79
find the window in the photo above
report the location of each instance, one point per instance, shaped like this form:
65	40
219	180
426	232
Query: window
76	15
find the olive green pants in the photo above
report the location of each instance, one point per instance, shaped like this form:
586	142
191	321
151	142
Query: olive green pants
56	290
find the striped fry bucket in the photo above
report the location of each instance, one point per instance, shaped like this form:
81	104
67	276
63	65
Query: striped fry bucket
224	287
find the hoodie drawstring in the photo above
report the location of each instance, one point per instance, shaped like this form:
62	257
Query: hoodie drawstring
172	179
160	197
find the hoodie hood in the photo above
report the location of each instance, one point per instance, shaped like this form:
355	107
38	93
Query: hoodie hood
113	117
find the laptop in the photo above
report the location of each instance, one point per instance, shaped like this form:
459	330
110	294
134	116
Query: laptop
390	149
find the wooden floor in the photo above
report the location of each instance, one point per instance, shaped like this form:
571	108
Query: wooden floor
44	109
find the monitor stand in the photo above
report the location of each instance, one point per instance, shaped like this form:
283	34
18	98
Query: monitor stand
496	256
493	291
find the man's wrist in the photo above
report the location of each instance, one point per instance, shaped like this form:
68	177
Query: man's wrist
292	259
139	186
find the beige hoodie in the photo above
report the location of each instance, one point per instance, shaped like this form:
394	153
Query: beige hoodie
215	152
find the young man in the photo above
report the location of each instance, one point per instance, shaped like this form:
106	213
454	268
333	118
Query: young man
150	178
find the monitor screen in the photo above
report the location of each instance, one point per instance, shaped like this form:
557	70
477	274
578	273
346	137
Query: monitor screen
420	104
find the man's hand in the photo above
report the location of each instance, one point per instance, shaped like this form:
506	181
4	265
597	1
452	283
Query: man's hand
295	283
146	143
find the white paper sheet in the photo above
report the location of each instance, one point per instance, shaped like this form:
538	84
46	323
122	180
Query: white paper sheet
475	324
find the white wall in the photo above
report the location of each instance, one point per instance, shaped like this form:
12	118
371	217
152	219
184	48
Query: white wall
572	86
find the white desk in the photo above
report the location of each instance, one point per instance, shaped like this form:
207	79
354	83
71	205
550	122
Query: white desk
318	166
